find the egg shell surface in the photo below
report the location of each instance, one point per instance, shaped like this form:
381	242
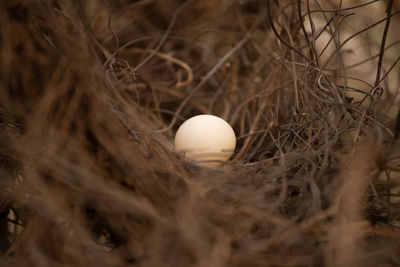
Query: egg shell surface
206	139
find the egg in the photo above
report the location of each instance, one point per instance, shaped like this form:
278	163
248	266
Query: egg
206	139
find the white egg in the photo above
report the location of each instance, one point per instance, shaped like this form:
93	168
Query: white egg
206	139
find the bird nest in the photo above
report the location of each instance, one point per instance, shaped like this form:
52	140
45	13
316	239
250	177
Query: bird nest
92	93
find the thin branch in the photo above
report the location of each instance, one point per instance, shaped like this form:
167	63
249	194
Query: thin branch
384	37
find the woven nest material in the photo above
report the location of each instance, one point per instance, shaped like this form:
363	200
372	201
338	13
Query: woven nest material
92	93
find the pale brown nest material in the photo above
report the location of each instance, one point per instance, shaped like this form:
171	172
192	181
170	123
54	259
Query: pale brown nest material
92	93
